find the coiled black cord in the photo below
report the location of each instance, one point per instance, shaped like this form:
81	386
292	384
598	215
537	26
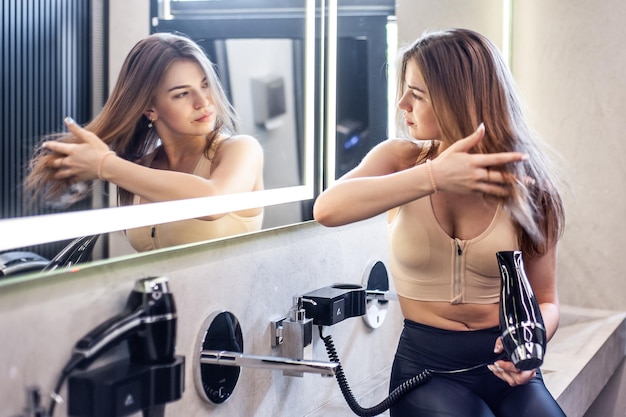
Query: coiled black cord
384	405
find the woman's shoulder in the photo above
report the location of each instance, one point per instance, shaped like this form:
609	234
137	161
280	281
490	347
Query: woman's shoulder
239	140
406	145
408	152
238	144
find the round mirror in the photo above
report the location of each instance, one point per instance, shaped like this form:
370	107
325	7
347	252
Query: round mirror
220	332
375	279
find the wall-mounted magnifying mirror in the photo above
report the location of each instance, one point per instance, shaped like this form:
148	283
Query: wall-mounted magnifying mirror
220	331
376	280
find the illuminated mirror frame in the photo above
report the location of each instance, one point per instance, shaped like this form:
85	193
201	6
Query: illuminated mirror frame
334	162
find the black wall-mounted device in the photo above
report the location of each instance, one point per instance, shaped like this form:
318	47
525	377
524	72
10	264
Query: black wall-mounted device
148	324
150	377
333	304
123	388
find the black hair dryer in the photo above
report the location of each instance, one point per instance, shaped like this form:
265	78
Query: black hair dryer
521	323
150	377
148	323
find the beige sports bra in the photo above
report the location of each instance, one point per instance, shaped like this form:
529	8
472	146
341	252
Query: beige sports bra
429	265
193	230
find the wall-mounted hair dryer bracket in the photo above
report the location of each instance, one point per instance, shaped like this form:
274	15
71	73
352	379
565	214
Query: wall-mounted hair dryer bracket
122	388
151	375
335	303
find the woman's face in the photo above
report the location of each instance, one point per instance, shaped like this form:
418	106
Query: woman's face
183	105
415	102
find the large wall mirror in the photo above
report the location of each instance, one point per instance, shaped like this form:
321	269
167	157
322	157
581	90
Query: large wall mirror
328	56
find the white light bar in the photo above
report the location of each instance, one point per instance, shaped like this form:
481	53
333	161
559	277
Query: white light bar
35	230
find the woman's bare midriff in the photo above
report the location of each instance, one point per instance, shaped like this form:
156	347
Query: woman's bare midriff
448	316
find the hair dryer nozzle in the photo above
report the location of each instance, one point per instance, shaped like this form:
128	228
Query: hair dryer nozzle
155	341
521	323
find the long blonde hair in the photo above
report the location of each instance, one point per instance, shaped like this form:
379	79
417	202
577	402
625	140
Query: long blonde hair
469	83
121	124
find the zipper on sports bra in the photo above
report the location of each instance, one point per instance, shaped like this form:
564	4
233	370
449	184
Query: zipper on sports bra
458	259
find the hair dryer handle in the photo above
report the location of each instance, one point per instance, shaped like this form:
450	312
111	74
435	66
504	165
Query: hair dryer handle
107	334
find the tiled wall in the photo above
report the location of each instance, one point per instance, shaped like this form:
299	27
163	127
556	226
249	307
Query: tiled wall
254	277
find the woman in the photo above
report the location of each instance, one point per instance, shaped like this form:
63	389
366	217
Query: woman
453	203
166	133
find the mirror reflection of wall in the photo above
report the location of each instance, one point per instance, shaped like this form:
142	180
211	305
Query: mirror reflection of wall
362	82
255	91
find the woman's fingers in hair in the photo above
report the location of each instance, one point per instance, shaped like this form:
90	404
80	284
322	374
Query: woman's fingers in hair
81	133
494	159
493	189
467	143
65	148
69	121
58	147
493	176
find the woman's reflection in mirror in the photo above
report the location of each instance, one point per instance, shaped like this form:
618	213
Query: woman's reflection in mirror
167	132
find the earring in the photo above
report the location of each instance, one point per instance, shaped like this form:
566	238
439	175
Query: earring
150	124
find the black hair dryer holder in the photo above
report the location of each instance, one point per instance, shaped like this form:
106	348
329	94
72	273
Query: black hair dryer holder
123	388
145	381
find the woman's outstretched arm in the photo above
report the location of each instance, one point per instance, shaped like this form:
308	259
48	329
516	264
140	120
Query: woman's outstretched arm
383	180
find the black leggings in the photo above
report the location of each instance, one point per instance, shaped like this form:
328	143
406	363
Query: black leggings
477	393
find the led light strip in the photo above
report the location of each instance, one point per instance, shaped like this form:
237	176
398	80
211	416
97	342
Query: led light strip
35	230
507	31
331	93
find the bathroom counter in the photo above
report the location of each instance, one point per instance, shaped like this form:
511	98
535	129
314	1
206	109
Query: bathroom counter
583	355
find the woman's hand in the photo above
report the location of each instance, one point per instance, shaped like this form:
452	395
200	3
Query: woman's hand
80	160
506	371
458	171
